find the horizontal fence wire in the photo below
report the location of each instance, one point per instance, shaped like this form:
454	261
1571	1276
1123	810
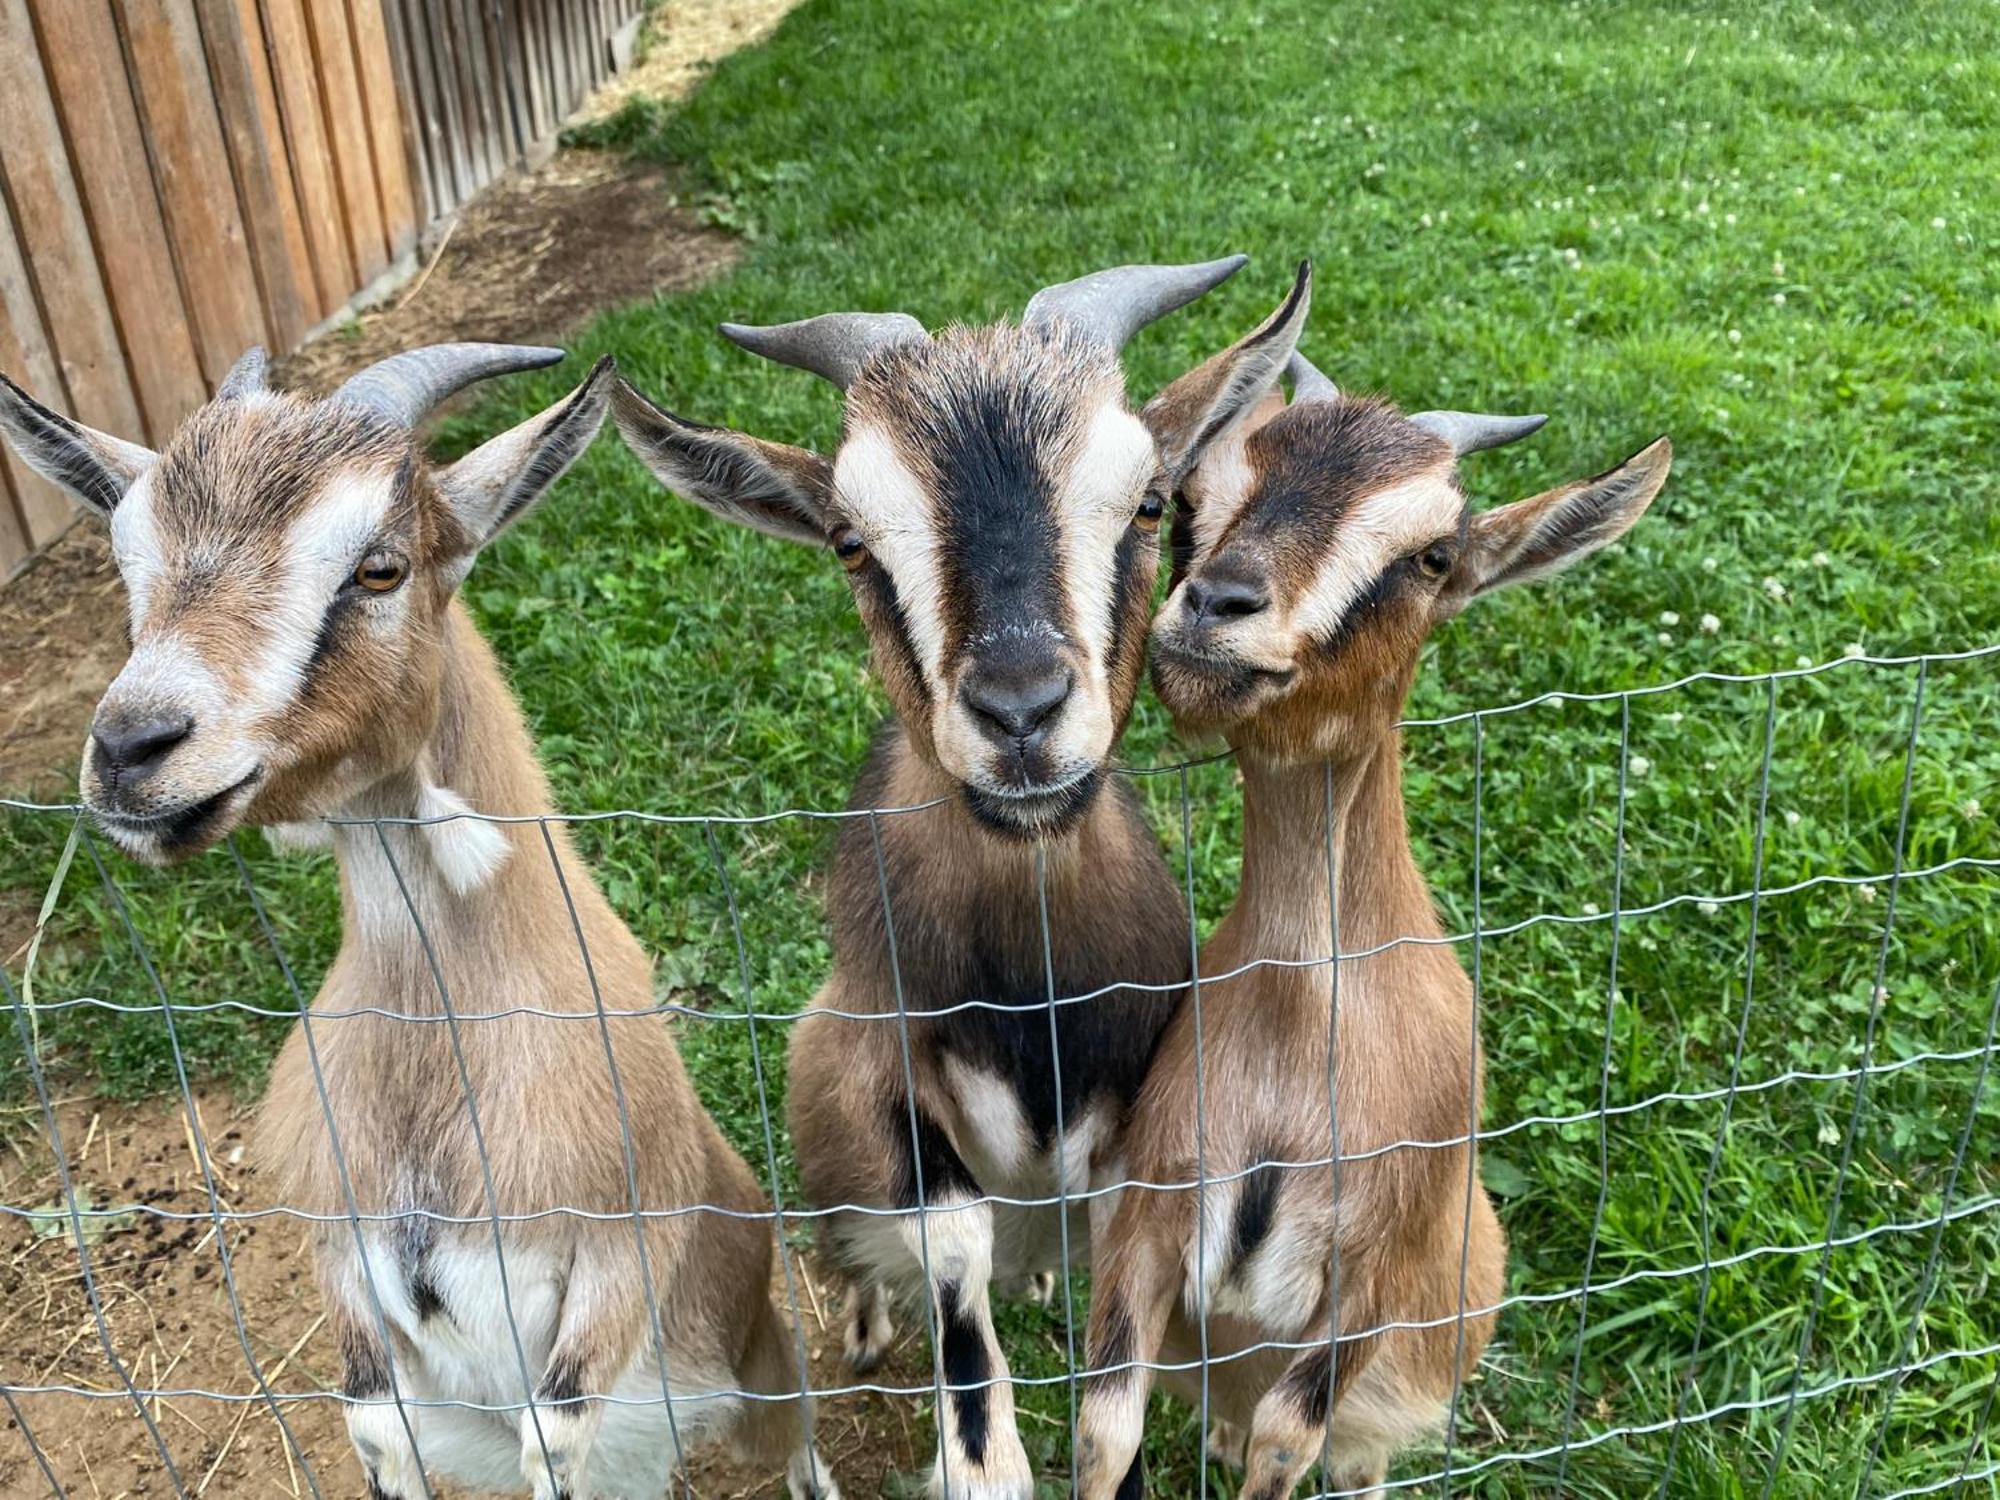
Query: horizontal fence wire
1453	1465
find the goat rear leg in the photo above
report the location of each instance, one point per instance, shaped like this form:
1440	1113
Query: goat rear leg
867	1329
1288	1428
980	1456
597	1335
1129	1307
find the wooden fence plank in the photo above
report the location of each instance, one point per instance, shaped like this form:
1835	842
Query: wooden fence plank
534	76
466	159
255	137
87	71
197	190
14	543
42	509
476	70
434	198
347	132
288	49
388	148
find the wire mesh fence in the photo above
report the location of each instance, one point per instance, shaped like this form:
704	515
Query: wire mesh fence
1739	1115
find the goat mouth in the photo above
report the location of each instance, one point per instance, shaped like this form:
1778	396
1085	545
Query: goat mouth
178	832
1209	688
1033	812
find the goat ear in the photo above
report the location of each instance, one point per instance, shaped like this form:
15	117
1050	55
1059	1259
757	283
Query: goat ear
1212	397
769	487
499	481
1541	536
94	466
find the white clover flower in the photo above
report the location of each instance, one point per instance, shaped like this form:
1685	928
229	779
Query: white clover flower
1793	819
1701	207
1829	1134
1729	218
1970	807
1854	648
1640	765
1675	717
1821	560
1774	588
1778	299
1802	661
1833	177
1710	624
1708	565
1937	223
1665	637
1590	908
1865	892
1735	335
1669	617
1707	908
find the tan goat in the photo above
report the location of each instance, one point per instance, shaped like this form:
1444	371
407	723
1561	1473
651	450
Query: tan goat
1321	543
299	653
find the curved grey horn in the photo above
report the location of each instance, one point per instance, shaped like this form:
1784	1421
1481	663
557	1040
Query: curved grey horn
833	346
1308	384
1470	431
405	387
1110	306
245	377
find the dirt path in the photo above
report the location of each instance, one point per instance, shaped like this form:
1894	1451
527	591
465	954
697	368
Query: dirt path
171	1322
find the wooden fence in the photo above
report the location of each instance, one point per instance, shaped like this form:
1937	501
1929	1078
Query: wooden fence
181	179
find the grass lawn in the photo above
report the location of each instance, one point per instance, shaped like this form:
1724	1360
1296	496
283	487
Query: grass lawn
1765	230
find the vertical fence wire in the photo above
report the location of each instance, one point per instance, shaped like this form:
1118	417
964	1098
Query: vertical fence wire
629	1150
350	1200
217	1222
487	1186
1603	1090
1062	1148
916	1146
1471	1086
1329	809
1920	1303
20	1421
770	1148
1858	1108
66	1185
1729	1097
1200	1124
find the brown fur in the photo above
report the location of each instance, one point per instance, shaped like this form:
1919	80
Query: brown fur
1404	1234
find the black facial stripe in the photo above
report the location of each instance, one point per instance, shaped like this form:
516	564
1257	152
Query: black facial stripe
1124	578
1002	539
882	589
1382	588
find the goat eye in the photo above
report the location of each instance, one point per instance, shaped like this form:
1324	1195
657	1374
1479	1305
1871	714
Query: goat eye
1435	561
1147	517
380	574
849	548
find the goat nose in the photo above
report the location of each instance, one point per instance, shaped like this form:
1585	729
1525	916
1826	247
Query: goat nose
134	747
1224	599
1017	706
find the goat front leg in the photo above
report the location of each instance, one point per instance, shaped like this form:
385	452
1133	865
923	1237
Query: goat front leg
1129	1307
980	1456
597	1334
1289	1426
375	1422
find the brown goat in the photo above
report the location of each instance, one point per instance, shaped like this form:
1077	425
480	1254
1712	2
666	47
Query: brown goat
300	655
1321	543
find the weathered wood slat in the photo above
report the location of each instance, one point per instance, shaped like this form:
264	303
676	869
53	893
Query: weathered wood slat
14	543
347	132
41	509
289	53
417	120
255	139
93	94
197	189
388	149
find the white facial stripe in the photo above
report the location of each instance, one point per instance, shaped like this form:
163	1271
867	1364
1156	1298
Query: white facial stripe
321	549
884	500
135	542
1382	527
1097	498
166	675
1218	489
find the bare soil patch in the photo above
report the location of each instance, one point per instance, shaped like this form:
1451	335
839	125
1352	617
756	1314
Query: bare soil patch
170	1320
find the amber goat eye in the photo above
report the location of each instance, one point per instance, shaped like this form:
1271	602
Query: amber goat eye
1147	517
1435	561
379	574
849	548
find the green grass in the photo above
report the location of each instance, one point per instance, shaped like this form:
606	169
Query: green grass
1765	230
